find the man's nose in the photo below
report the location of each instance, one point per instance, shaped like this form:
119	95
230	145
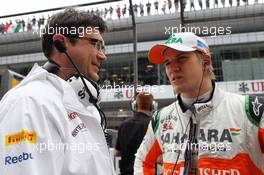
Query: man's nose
174	66
102	56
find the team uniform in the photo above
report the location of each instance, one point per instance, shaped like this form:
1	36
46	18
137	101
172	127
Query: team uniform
44	129
231	139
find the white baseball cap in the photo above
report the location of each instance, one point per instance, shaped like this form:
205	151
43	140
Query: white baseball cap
183	42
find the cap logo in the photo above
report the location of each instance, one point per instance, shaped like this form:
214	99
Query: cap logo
174	40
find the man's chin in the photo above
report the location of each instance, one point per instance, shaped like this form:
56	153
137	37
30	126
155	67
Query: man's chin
95	78
177	89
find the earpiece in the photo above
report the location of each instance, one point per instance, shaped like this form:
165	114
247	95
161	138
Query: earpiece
206	62
59	46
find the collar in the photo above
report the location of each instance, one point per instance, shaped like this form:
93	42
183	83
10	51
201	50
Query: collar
140	114
199	106
62	88
83	96
51	67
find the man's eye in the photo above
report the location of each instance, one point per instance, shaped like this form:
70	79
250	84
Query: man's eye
180	59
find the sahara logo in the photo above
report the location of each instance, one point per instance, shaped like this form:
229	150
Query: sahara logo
174	39
206	135
21	136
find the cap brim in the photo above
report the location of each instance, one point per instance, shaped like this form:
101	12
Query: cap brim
155	54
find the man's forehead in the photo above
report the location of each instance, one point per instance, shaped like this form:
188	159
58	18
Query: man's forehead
172	52
95	35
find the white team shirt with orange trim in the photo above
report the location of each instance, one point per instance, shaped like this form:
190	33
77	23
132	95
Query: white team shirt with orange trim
231	139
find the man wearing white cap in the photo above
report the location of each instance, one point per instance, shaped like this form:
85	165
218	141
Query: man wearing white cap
206	130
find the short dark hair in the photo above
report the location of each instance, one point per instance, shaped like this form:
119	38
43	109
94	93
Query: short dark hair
69	19
144	101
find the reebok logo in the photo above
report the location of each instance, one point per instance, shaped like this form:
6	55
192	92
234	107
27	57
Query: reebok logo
16	159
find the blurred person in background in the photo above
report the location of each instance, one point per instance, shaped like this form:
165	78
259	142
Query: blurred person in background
156	5
132	131
176	5
164	6
169	5
148	5
118	12
124	10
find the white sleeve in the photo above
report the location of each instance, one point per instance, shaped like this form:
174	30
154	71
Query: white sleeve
147	153
27	135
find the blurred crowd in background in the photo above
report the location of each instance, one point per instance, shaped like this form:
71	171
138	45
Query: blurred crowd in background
118	12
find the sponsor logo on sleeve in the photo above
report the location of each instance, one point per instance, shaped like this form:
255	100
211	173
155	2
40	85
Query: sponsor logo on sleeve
167	126
73	115
78	128
256	106
24	135
18	159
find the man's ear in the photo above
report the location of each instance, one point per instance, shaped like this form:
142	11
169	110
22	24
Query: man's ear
59	37
59	42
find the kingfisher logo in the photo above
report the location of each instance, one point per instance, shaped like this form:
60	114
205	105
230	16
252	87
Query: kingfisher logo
205	171
21	136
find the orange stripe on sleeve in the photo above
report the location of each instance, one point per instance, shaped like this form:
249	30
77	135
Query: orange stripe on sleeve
151	158
235	129
261	139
